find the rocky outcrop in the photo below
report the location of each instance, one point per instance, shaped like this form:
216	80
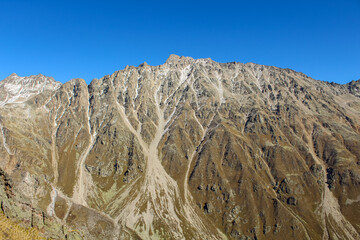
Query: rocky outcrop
190	149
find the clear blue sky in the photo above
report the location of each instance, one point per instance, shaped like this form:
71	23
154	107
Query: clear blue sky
90	39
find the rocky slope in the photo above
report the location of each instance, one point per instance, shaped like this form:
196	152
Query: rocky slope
191	149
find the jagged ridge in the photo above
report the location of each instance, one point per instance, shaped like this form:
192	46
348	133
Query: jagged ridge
188	149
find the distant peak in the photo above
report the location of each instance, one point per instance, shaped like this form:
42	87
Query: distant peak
144	64
32	80
14	75
173	58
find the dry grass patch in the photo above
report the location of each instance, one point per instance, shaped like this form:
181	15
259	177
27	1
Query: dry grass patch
11	230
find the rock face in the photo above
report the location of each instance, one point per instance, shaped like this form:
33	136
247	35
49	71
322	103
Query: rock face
191	149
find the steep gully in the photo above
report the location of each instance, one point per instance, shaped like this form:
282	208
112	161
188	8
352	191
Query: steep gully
329	206
159	193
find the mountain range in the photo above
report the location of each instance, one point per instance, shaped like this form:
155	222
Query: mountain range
191	149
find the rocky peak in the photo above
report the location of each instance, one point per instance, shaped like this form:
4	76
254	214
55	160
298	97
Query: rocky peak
175	60
354	87
16	89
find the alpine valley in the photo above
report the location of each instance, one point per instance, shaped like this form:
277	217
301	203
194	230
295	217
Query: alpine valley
191	149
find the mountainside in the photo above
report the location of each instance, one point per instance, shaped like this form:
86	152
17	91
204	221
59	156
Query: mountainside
191	149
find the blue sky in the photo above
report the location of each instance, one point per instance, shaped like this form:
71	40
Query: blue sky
90	39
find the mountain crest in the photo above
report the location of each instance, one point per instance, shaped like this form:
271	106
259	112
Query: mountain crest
191	149
16	89
175	59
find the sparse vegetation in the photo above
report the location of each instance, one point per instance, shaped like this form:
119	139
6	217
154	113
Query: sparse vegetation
10	230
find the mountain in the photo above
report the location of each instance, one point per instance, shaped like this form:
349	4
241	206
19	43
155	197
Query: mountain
15	89
191	149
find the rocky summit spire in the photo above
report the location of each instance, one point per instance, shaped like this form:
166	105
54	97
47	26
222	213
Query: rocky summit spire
191	149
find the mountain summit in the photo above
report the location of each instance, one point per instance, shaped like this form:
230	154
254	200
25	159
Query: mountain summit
15	89
191	149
